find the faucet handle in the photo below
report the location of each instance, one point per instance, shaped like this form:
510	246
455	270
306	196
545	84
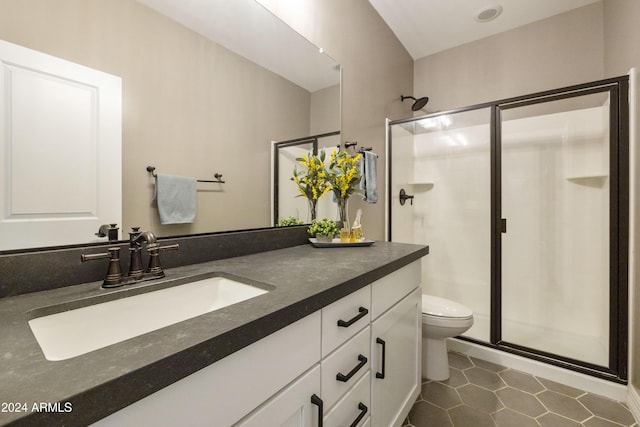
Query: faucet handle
174	247
155	269
113	278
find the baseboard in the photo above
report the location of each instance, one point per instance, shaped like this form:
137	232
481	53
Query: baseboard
588	383
633	402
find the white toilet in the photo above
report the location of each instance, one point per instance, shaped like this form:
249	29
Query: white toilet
441	319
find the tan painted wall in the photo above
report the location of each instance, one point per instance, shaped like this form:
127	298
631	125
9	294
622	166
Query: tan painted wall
555	52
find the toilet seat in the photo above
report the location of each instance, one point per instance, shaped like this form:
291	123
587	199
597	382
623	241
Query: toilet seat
447	322
437	307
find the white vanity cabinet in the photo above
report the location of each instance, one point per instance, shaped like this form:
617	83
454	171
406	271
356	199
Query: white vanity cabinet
339	388
355	363
386	317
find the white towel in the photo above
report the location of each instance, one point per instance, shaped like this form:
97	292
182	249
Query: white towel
369	181
176	198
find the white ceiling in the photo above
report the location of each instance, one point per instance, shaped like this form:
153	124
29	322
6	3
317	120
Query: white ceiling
425	27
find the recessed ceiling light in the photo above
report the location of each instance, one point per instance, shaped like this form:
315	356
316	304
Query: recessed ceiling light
488	13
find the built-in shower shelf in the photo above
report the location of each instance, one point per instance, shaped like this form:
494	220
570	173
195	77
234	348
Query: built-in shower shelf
587	176
421	183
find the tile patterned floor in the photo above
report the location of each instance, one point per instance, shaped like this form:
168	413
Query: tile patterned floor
480	393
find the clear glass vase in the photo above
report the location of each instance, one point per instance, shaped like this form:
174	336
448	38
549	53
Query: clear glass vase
313	209
343	213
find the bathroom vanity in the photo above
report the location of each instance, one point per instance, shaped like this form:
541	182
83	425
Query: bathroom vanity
335	340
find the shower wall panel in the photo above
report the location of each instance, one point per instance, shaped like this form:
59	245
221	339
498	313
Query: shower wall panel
454	217
401	176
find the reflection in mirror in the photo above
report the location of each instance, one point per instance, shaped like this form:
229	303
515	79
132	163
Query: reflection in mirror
287	201
192	105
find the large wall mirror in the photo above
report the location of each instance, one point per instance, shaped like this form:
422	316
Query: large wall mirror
207	86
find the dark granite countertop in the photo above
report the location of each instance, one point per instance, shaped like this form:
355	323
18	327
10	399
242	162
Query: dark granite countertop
93	385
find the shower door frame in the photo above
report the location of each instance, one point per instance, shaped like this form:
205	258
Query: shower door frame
276	146
619	168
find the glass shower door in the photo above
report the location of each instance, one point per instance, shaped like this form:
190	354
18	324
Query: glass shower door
555	209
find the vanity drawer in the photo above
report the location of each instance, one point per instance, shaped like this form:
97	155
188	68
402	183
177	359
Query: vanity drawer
344	318
351	361
390	289
354	406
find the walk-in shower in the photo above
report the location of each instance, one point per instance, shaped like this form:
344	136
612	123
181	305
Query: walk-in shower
524	205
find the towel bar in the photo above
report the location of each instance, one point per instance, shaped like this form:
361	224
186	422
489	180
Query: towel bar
218	176
363	149
349	144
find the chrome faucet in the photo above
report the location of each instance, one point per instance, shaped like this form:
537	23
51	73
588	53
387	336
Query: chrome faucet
114	277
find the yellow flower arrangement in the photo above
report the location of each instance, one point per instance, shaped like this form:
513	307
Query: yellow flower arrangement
343	174
342	177
312	183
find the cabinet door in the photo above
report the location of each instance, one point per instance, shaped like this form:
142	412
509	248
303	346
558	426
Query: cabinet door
395	361
292	407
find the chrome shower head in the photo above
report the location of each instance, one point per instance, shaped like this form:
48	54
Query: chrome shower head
418	104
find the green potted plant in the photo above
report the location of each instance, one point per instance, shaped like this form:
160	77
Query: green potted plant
290	221
324	230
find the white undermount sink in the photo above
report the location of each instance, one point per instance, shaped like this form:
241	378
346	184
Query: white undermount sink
75	332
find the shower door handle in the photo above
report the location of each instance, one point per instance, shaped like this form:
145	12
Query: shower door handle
503	225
